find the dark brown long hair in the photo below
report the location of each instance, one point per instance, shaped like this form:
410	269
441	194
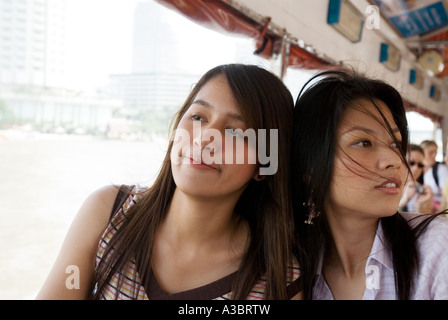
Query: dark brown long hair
264	103
317	115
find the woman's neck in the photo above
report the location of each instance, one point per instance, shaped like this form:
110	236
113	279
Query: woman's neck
351	245
199	222
198	242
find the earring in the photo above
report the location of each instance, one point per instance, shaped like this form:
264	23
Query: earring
313	213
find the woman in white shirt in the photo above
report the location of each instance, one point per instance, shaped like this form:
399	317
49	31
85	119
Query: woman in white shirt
350	144
435	174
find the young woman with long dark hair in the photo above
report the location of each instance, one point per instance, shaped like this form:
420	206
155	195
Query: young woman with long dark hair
218	229
349	171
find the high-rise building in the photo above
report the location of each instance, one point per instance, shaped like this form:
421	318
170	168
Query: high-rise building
32	42
33	88
156	45
164	59
158	79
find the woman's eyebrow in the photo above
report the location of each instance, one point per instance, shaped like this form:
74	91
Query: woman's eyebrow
208	105
367	130
359	128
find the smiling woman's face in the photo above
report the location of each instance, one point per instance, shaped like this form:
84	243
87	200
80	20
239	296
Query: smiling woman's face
369	173
215	110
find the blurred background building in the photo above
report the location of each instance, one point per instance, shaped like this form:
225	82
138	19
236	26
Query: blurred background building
158	82
33	78
35	86
32	42
161	75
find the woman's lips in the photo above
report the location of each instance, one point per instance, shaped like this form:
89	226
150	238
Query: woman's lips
390	186
200	164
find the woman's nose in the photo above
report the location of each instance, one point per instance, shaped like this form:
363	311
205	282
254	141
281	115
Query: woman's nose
208	138
390	158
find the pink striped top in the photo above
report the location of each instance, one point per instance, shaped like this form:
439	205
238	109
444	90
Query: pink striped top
132	288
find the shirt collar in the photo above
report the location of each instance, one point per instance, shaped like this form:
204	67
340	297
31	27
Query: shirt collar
379	252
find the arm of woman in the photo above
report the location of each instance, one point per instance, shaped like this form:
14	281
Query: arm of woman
72	273
424	200
408	192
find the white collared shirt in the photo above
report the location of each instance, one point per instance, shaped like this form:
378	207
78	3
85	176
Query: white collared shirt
428	178
431	281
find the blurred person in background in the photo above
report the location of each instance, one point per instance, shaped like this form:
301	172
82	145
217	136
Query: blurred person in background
417	196
435	173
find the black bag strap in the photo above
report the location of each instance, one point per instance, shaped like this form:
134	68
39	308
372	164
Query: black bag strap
435	173
120	199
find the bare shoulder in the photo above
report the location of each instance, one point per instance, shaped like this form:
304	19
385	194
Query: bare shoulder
94	213
103	197
99	203
93	216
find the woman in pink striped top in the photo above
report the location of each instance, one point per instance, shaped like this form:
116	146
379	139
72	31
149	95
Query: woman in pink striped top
216	223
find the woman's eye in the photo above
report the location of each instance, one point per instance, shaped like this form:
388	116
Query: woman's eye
196	117
363	143
235	132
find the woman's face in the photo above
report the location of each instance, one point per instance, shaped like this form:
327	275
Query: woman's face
206	155
416	163
369	174
430	155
